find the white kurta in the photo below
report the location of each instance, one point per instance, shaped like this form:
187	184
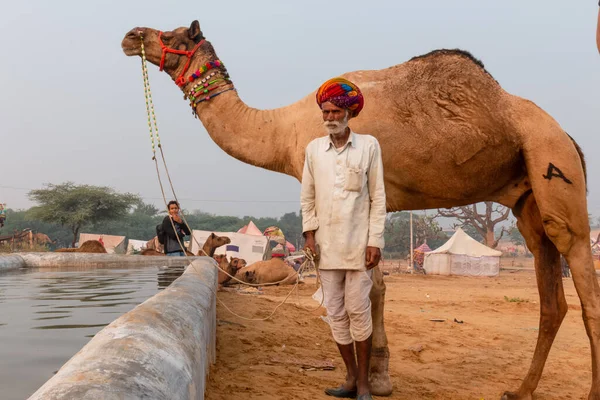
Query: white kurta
343	199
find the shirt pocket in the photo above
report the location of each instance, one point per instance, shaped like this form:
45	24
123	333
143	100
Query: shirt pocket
354	179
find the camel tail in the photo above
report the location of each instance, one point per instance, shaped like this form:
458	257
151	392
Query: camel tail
581	158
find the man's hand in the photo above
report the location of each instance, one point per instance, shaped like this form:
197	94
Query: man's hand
309	242
373	256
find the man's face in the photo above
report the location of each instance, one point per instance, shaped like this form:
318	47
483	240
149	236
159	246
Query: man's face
173	209
335	119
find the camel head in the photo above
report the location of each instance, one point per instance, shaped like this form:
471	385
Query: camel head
250	277
180	39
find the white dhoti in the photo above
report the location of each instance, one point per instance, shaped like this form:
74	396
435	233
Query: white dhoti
346	298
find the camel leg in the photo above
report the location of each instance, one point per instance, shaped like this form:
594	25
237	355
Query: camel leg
553	306
379	378
556	170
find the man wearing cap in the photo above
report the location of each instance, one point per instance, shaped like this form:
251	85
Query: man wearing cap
343	211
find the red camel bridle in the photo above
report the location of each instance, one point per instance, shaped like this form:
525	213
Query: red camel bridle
180	81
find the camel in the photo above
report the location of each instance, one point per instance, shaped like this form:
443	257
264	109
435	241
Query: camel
231	267
89	246
270	271
450	136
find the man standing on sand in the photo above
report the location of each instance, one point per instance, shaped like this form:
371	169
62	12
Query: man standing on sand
343	211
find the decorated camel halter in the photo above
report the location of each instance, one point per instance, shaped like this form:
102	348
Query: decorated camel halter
180	81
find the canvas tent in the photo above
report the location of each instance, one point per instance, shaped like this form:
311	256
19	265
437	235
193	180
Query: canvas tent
251	248
463	255
112	244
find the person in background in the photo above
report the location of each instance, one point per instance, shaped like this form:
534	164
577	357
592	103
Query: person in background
175	230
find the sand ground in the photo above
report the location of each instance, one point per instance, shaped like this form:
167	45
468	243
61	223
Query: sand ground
490	352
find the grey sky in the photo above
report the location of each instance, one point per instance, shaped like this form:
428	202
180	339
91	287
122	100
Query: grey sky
72	105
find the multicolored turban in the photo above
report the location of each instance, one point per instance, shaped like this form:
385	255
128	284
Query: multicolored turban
342	93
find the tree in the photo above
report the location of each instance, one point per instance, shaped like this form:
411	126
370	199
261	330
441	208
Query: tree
72	205
483	222
516	237
397	232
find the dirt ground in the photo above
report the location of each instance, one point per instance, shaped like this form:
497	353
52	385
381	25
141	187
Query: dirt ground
490	352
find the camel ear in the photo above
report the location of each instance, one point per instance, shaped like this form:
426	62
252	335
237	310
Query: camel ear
194	33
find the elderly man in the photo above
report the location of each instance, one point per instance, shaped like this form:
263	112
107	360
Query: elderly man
343	211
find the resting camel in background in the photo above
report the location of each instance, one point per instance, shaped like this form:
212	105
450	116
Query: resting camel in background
450	136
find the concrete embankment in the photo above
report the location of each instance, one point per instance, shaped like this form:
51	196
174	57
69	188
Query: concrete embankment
159	350
87	260
11	262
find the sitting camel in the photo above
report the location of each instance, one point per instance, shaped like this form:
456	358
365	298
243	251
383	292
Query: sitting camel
89	246
271	271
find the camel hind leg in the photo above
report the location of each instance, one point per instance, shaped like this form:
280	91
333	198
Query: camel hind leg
556	169
553	305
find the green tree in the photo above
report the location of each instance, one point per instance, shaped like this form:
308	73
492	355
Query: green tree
72	205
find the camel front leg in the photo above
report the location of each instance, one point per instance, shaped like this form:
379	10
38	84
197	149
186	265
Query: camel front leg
379	377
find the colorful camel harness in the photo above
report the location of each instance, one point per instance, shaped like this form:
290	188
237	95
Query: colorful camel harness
195	95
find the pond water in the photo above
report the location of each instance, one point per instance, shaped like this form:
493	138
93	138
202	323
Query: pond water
48	315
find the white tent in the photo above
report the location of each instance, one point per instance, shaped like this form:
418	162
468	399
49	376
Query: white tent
249	247
463	255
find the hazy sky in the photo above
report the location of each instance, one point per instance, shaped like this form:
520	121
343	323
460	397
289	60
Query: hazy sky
72	105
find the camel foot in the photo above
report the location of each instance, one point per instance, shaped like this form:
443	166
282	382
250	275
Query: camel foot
515	396
380	383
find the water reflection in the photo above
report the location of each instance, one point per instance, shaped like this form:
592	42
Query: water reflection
47	315
166	276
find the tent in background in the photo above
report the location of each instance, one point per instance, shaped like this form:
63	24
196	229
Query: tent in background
112	244
291	248
135	245
251	248
250	229
463	255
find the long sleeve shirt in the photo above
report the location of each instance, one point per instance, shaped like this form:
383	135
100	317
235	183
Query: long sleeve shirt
343	199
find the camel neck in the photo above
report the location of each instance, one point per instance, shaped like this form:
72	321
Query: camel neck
247	134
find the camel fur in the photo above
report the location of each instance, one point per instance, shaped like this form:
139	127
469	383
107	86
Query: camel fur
271	271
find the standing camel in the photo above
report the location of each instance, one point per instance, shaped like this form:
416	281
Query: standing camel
450	136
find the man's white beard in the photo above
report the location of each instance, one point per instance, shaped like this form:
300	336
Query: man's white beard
336	128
